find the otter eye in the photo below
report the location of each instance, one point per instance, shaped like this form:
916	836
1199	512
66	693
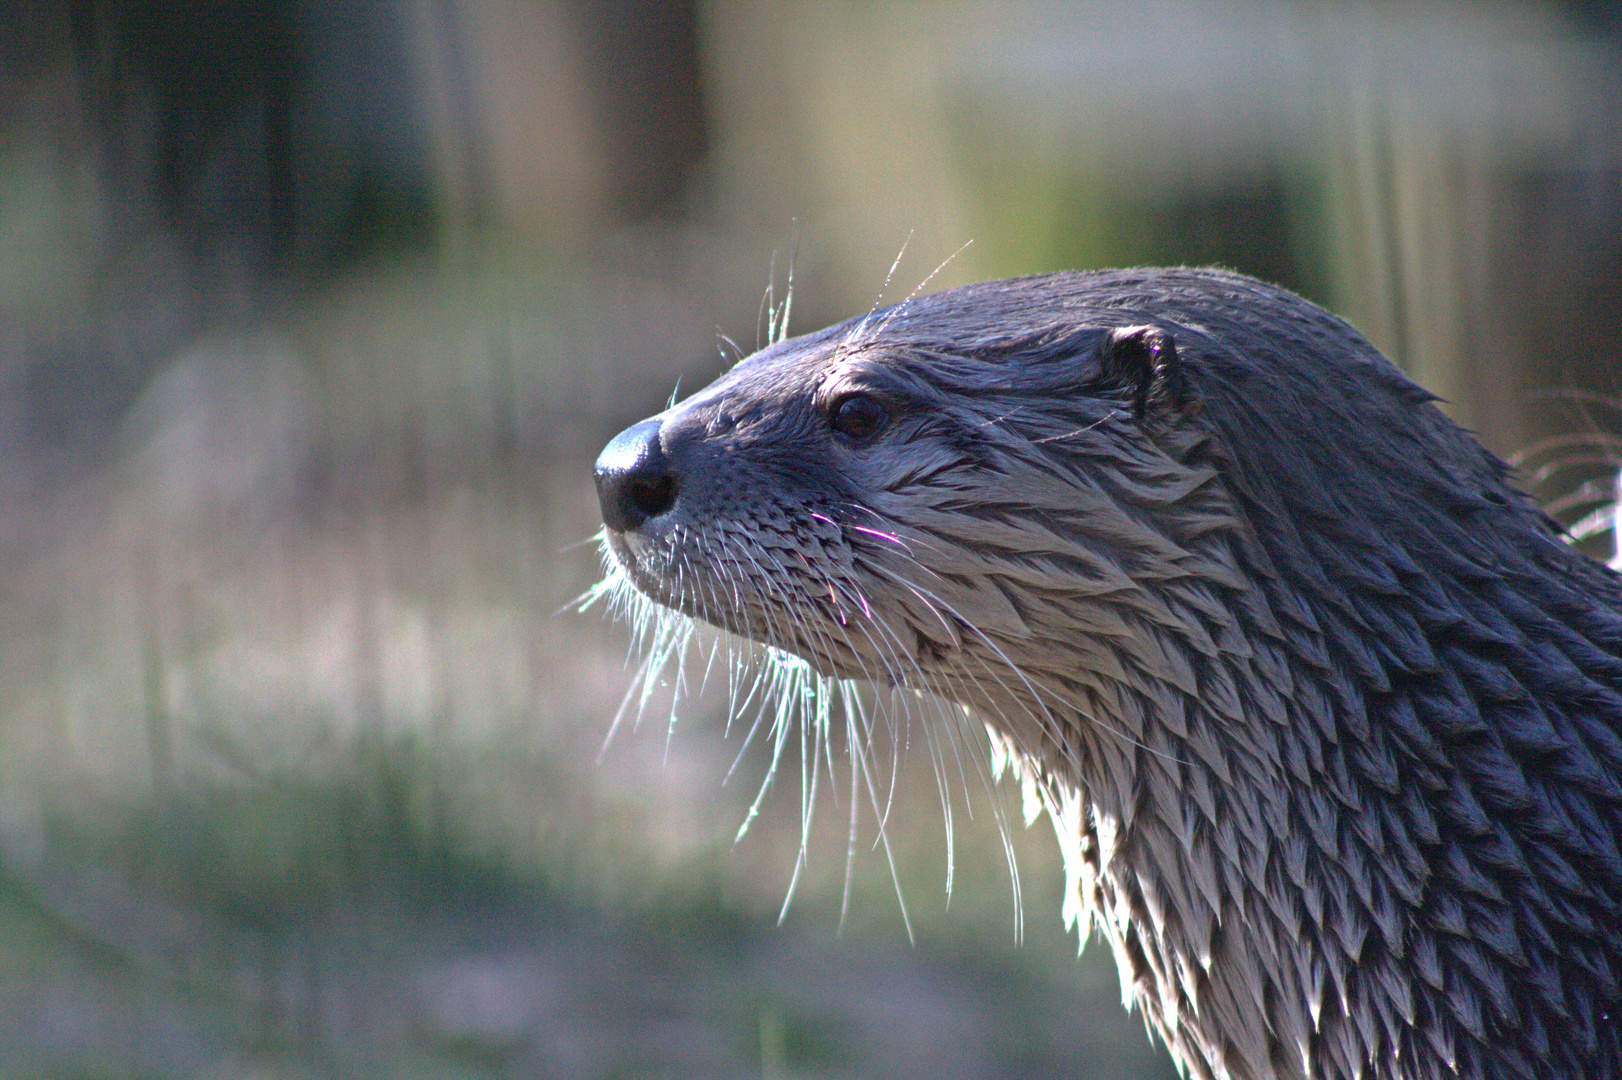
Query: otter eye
857	417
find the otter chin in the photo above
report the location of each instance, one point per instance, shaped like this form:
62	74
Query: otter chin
1327	715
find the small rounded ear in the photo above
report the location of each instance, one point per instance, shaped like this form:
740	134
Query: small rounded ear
1142	361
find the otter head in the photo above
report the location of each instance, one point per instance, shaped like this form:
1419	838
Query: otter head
973	500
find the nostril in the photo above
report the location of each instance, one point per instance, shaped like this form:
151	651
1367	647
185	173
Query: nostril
652	495
635	480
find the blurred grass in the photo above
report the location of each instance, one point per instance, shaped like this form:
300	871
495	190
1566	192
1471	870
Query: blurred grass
288	848
357	919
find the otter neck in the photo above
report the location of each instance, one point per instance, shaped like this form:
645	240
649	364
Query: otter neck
1214	833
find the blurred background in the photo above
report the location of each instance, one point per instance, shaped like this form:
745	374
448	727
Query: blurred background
312	320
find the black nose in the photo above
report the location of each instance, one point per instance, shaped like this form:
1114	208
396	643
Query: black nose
634	479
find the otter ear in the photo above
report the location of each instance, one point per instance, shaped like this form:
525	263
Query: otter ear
1142	361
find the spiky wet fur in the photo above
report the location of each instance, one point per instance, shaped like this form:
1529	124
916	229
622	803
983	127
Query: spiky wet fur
1327	716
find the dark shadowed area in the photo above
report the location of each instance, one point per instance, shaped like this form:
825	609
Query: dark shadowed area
313	318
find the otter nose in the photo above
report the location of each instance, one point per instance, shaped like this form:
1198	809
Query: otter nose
634	479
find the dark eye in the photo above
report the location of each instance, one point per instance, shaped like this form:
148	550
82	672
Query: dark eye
857	417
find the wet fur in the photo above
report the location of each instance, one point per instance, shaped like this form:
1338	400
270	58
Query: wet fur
1327	716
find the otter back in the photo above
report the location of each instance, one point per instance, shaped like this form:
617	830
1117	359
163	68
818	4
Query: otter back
1327	715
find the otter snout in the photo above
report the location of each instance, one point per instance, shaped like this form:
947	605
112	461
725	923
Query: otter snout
635	480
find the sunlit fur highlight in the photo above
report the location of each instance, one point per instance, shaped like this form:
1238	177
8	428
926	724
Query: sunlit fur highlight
808	722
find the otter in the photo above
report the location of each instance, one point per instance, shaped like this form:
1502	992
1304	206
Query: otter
1327	714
